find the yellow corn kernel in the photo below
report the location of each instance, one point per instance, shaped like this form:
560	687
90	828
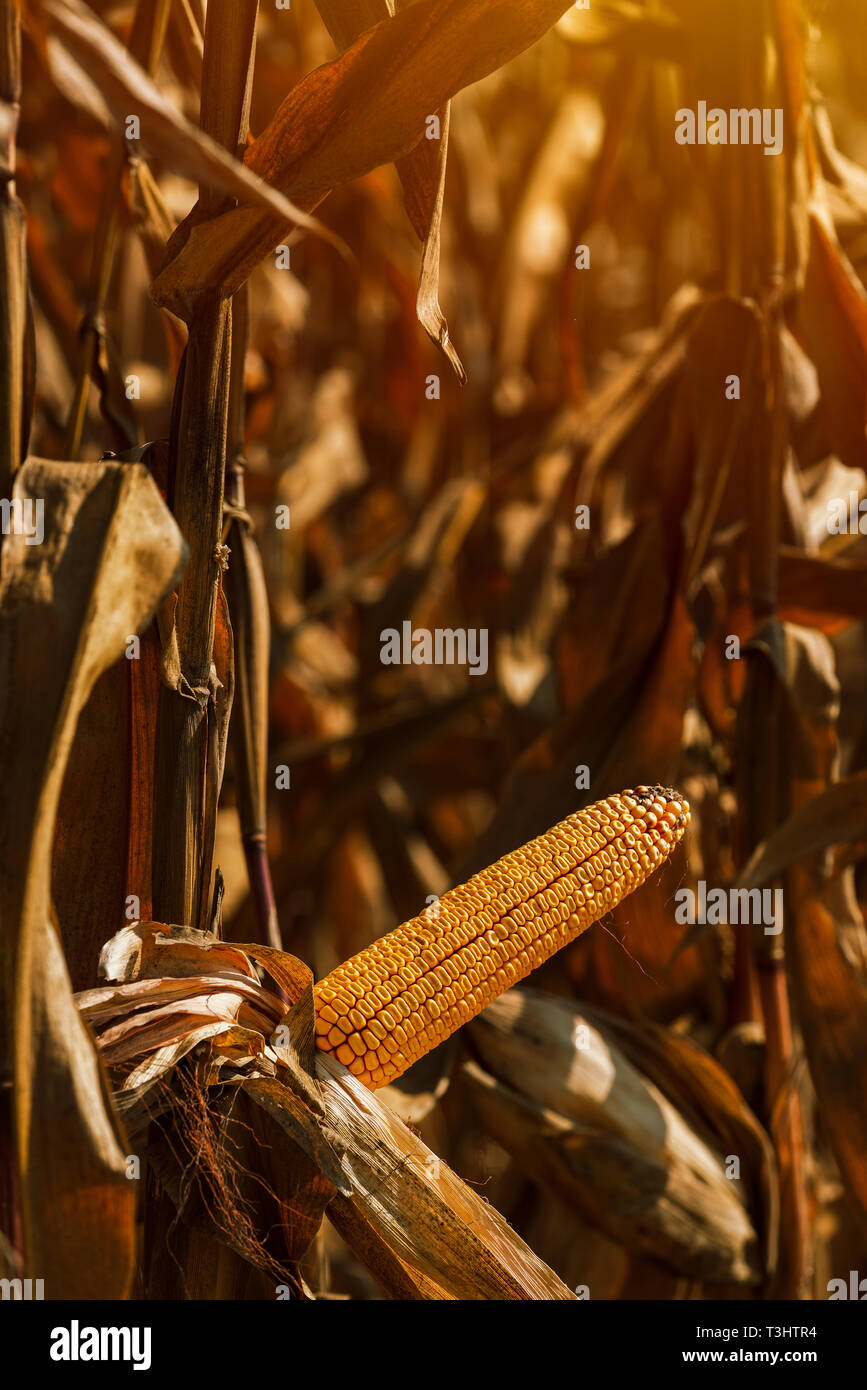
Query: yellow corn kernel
416	986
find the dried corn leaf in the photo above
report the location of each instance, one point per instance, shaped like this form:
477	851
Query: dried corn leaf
347	117
819	591
346	20
831	993
833	312
830	985
89	860
835	816
422	172
110	552
601	683
93	55
725	341
786	748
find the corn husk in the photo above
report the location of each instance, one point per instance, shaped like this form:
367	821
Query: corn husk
564	1099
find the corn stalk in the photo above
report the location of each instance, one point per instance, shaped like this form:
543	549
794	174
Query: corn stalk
146	44
14	372
193	710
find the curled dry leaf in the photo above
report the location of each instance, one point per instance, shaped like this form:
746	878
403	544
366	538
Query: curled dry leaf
14	403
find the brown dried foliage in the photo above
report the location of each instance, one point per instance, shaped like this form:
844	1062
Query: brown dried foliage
438	398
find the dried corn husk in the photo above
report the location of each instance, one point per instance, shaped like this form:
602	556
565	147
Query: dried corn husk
241	1016
569	1105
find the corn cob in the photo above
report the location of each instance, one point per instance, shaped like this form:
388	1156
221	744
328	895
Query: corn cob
396	1000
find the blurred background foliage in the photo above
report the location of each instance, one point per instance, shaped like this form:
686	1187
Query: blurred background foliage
601	387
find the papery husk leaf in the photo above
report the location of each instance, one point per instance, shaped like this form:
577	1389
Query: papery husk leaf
418	1206
711	1103
396	1278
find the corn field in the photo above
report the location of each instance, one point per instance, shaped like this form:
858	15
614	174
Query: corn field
433	650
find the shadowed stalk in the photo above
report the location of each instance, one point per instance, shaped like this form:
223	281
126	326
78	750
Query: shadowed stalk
625	89
247	595
14	428
785	1105
251	630
767	777
191	725
145	45
12	279
13	291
